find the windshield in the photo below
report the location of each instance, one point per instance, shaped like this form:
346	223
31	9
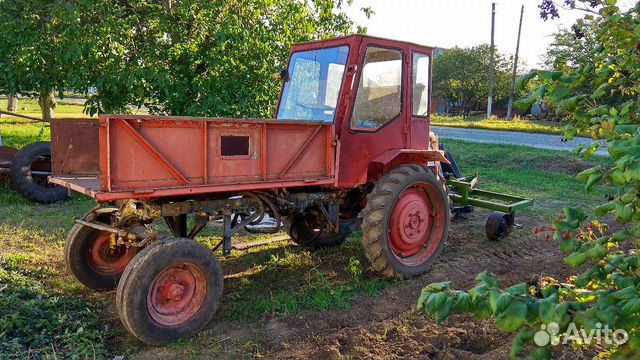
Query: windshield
311	92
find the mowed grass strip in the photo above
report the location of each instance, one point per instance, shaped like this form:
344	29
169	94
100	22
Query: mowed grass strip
279	279
495	123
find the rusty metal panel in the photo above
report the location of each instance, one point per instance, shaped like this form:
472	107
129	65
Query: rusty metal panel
74	147
146	154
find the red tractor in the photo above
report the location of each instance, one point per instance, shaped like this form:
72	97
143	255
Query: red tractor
349	148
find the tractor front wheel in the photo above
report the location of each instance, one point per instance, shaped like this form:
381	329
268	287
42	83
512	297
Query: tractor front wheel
406	221
171	289
92	259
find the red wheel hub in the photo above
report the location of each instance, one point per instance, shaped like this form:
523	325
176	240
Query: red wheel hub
106	260
416	224
176	294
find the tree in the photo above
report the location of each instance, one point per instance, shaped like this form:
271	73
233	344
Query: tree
188	57
601	95
202	57
571	47
461	76
12	102
37	46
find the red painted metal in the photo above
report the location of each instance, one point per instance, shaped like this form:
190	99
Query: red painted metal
153	152
300	151
158	156
106	260
75	150
176	294
416	225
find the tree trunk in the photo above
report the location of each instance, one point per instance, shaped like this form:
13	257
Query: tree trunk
12	102
47	103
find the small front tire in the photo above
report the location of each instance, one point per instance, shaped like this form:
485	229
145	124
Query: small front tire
171	289
90	257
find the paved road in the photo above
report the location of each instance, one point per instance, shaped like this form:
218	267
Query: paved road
541	141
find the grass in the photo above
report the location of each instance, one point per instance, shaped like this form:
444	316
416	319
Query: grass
66	320
495	123
30	107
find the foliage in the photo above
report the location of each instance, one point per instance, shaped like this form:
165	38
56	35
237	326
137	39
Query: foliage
187	57
35	324
599	96
39	48
461	76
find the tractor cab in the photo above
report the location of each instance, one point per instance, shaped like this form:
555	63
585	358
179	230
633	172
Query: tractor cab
374	91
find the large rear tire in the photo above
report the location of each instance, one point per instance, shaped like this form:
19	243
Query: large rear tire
90	257
406	221
29	172
171	289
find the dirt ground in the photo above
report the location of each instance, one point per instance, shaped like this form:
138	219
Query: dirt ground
387	326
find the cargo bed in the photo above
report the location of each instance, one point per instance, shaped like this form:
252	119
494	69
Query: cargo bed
126	157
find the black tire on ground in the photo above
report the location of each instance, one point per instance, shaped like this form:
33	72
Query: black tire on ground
304	234
396	241
171	289
499	225
36	187
451	168
89	258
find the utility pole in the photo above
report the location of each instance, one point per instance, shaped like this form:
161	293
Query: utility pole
491	51
515	67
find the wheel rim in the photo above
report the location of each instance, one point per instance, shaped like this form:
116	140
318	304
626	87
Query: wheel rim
108	261
176	294
40	170
416	225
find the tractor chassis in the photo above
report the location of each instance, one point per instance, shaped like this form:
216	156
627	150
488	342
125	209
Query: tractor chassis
236	214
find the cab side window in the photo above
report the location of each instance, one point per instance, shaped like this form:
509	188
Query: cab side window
379	97
420	84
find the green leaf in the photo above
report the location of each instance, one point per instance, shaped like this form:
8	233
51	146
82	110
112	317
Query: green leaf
597	252
522	81
518	289
513	317
547	311
541	353
435	302
631	307
524	337
600	91
463	302
444	311
560	93
593	179
624	294
437	287
503	301
424	295
524	105
584	175
576	259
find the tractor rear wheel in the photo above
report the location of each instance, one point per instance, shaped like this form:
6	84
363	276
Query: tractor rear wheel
91	258
306	231
406	221
171	289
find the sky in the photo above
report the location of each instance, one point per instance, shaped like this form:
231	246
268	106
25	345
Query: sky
449	23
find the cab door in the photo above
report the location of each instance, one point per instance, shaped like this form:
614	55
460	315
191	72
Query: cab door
420	98
377	120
